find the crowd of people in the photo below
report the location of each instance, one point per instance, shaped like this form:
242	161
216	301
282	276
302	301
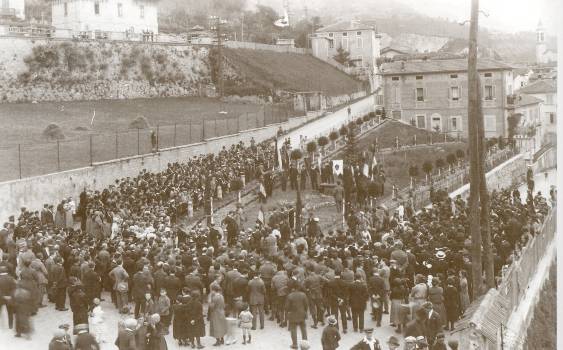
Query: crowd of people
131	246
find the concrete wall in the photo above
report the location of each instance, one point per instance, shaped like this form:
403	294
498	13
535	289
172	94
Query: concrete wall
33	192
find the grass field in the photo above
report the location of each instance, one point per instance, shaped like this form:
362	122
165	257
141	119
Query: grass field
195	119
292	72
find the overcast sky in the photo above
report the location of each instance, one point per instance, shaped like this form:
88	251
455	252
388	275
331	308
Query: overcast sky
506	15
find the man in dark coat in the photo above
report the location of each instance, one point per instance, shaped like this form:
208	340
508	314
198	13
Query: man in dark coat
142	282
297	307
92	283
256	298
59	283
368	343
196	324
358	299
84	340
126	337
78	304
339	296
433	323
417	327
376	286
314	288
330	336
7	288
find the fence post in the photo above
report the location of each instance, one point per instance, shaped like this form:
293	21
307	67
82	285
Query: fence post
238	123
202	129
215	124
116	146
157	136
20	158
257	117
174	134
190	131
138	142
58	156
91	159
415	139
247	121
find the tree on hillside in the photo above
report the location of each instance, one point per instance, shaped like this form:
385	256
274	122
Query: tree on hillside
427	168
451	159
413	172
440	164
342	56
323	141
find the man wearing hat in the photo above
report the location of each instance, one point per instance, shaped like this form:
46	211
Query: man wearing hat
58	342
417	326
410	343
84	340
126	337
330	336
421	343
368	343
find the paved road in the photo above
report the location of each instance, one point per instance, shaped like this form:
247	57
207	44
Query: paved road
271	337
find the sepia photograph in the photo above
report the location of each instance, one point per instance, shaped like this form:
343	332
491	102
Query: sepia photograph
279	174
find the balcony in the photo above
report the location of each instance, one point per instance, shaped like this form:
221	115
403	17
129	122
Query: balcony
7	12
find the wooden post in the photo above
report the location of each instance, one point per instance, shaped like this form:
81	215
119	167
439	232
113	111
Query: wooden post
138	141
174	134
157	136
116	146
58	156
91	159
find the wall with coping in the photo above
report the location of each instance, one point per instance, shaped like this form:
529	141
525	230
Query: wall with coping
33	192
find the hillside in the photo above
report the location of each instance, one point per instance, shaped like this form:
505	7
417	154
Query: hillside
268	70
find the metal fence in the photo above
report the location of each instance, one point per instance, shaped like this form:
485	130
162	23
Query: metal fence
34	159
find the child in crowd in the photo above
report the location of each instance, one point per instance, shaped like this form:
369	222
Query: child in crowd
97	322
245	322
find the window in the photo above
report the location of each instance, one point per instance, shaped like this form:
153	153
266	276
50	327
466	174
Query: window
359	42
120	9
142	10
420	94
488	75
66	9
436	122
549	99
421	121
97	8
5	4
489	92
453	76
330	35
345	43
358	33
331	44
395	78
397	95
551	118
490	123
344	34
454	93
359	61
419	77
455	123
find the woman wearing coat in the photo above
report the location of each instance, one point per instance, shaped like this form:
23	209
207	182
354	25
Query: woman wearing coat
196	324
398	296
60	215
181	321
463	291
436	297
216	315
451	301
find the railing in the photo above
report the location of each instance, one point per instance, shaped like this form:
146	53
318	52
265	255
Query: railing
7	11
258	46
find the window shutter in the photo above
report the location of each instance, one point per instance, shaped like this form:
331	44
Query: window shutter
494	92
460	92
449	93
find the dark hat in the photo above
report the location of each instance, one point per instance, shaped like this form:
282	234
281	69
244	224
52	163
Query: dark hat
393	341
368	330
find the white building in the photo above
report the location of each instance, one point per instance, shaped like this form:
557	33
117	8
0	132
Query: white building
545	91
359	39
12	8
112	19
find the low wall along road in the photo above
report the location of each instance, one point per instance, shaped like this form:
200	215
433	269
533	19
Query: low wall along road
33	192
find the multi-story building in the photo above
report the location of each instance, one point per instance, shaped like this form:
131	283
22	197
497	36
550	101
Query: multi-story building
12	9
359	39
112	19
546	92
433	94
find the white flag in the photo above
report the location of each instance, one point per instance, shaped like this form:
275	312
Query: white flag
338	167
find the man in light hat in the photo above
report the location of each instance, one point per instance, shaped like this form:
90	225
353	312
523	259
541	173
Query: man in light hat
330	336
410	343
421	343
433	324
368	343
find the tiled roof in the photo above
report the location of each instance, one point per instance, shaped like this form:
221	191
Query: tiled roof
435	66
525	100
539	87
343	26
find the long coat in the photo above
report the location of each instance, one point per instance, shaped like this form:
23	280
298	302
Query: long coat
451	302
195	314
296	306
330	338
217	319
156	338
180	323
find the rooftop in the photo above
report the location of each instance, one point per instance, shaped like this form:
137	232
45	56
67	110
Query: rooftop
344	26
539	87
436	66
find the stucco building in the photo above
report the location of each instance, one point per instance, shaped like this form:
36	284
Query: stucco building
546	92
433	94
111	19
12	9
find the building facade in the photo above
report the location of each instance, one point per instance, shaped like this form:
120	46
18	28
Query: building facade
433	94
107	18
546	92
359	39
12	9
543	54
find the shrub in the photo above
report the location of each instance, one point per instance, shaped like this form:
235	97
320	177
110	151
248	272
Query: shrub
323	141
296	154
236	185
53	132
311	146
413	171
343	130
139	123
451	159
427	167
366	118
440	163
333	135
359	121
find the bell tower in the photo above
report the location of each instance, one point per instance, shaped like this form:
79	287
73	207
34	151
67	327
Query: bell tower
540	43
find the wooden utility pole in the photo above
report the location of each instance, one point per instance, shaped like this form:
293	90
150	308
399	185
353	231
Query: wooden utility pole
217	21
474	142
